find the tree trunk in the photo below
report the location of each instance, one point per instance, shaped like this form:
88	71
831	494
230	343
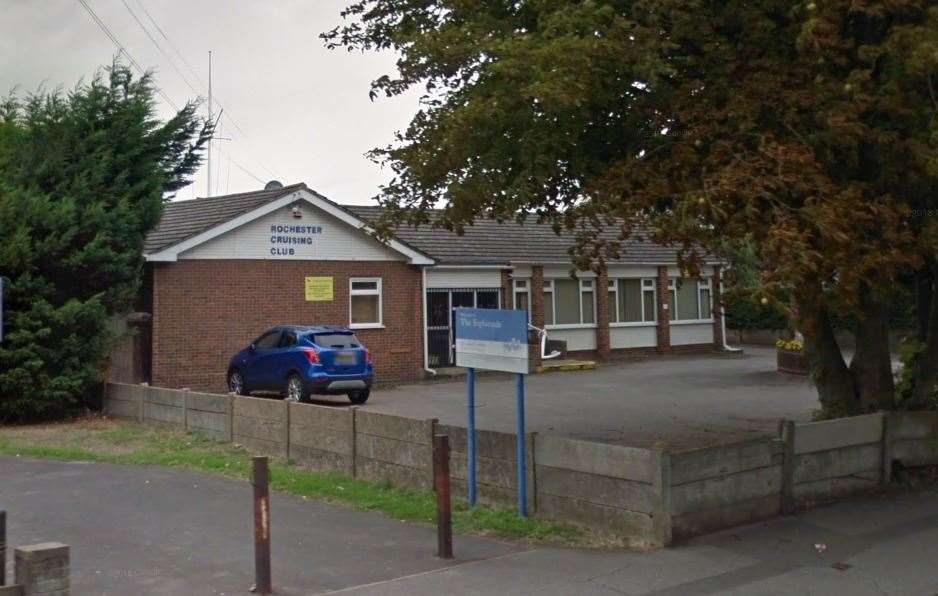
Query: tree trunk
926	365
871	365
832	378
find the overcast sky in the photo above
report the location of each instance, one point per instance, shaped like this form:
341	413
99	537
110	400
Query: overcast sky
303	111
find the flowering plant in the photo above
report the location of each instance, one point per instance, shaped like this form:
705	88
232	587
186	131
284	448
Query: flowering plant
792	345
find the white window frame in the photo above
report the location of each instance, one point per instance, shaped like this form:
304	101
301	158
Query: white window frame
703	283
521	286
644	288
549	287
378	291
614	311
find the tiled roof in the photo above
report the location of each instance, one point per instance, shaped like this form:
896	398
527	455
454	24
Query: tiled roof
488	242
485	243
184	219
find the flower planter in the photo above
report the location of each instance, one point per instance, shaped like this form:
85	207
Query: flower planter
792	361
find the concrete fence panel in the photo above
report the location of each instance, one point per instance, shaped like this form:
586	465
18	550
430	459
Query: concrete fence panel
394	449
209	415
260	424
323	437
914	438
837	457
600	485
496	469
725	485
124	401
166	406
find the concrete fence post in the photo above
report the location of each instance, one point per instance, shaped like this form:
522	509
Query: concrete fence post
661	516
231	408
786	430
42	569
185	408
141	398
431	428
887	447
285	431
354	444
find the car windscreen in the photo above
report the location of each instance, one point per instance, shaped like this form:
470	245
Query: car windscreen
335	340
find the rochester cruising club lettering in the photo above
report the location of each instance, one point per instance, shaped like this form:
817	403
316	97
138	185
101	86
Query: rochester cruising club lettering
284	237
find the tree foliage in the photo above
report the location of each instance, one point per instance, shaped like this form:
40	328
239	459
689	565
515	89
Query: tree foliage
83	177
805	129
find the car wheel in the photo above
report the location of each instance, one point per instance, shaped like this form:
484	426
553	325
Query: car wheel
236	383
295	390
359	397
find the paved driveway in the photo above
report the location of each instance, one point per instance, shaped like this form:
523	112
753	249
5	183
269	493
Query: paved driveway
684	401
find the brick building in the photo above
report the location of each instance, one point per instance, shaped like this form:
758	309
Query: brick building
223	269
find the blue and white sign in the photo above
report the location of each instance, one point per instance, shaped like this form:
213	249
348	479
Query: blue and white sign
492	339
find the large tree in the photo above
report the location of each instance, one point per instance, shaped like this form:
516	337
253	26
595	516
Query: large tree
807	129
83	177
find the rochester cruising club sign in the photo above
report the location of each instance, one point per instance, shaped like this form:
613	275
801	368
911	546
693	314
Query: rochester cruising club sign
284	239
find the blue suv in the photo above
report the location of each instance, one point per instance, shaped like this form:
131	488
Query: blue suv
299	361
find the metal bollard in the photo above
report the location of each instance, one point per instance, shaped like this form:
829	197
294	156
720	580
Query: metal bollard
260	478
444	516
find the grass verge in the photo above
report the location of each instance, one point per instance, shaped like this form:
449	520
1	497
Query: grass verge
103	440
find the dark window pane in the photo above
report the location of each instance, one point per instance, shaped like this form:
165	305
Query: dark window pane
488	299
630	294
336	340
438	309
688	306
268	340
567	295
651	309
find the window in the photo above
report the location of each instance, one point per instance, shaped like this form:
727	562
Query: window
587	302
268	340
569	302
632	300
336	340
288	338
689	299
521	296
365	302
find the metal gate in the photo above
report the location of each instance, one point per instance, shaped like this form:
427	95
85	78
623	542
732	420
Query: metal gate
441	302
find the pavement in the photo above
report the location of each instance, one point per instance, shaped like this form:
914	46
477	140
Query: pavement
682	401
152	530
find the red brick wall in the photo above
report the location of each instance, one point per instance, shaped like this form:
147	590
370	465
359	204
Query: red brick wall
206	310
602	313
664	317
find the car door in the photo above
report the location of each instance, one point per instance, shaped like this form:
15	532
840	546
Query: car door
261	368
283	358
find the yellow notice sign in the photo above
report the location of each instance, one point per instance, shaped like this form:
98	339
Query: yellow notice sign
318	289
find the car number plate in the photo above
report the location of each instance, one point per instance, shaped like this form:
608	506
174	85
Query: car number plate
345	358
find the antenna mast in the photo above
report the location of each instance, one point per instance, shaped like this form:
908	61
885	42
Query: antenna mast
208	192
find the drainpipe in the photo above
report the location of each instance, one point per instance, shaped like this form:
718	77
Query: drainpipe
726	346
426	332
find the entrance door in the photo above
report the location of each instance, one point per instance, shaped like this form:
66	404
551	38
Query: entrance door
441	319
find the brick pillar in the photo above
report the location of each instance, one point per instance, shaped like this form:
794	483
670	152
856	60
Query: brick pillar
507	301
536	304
42	569
664	317
602	313
717	297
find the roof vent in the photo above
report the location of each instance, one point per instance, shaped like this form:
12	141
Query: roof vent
273	185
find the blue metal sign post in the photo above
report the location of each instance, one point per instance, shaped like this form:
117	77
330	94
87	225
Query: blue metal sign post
493	339
471	435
